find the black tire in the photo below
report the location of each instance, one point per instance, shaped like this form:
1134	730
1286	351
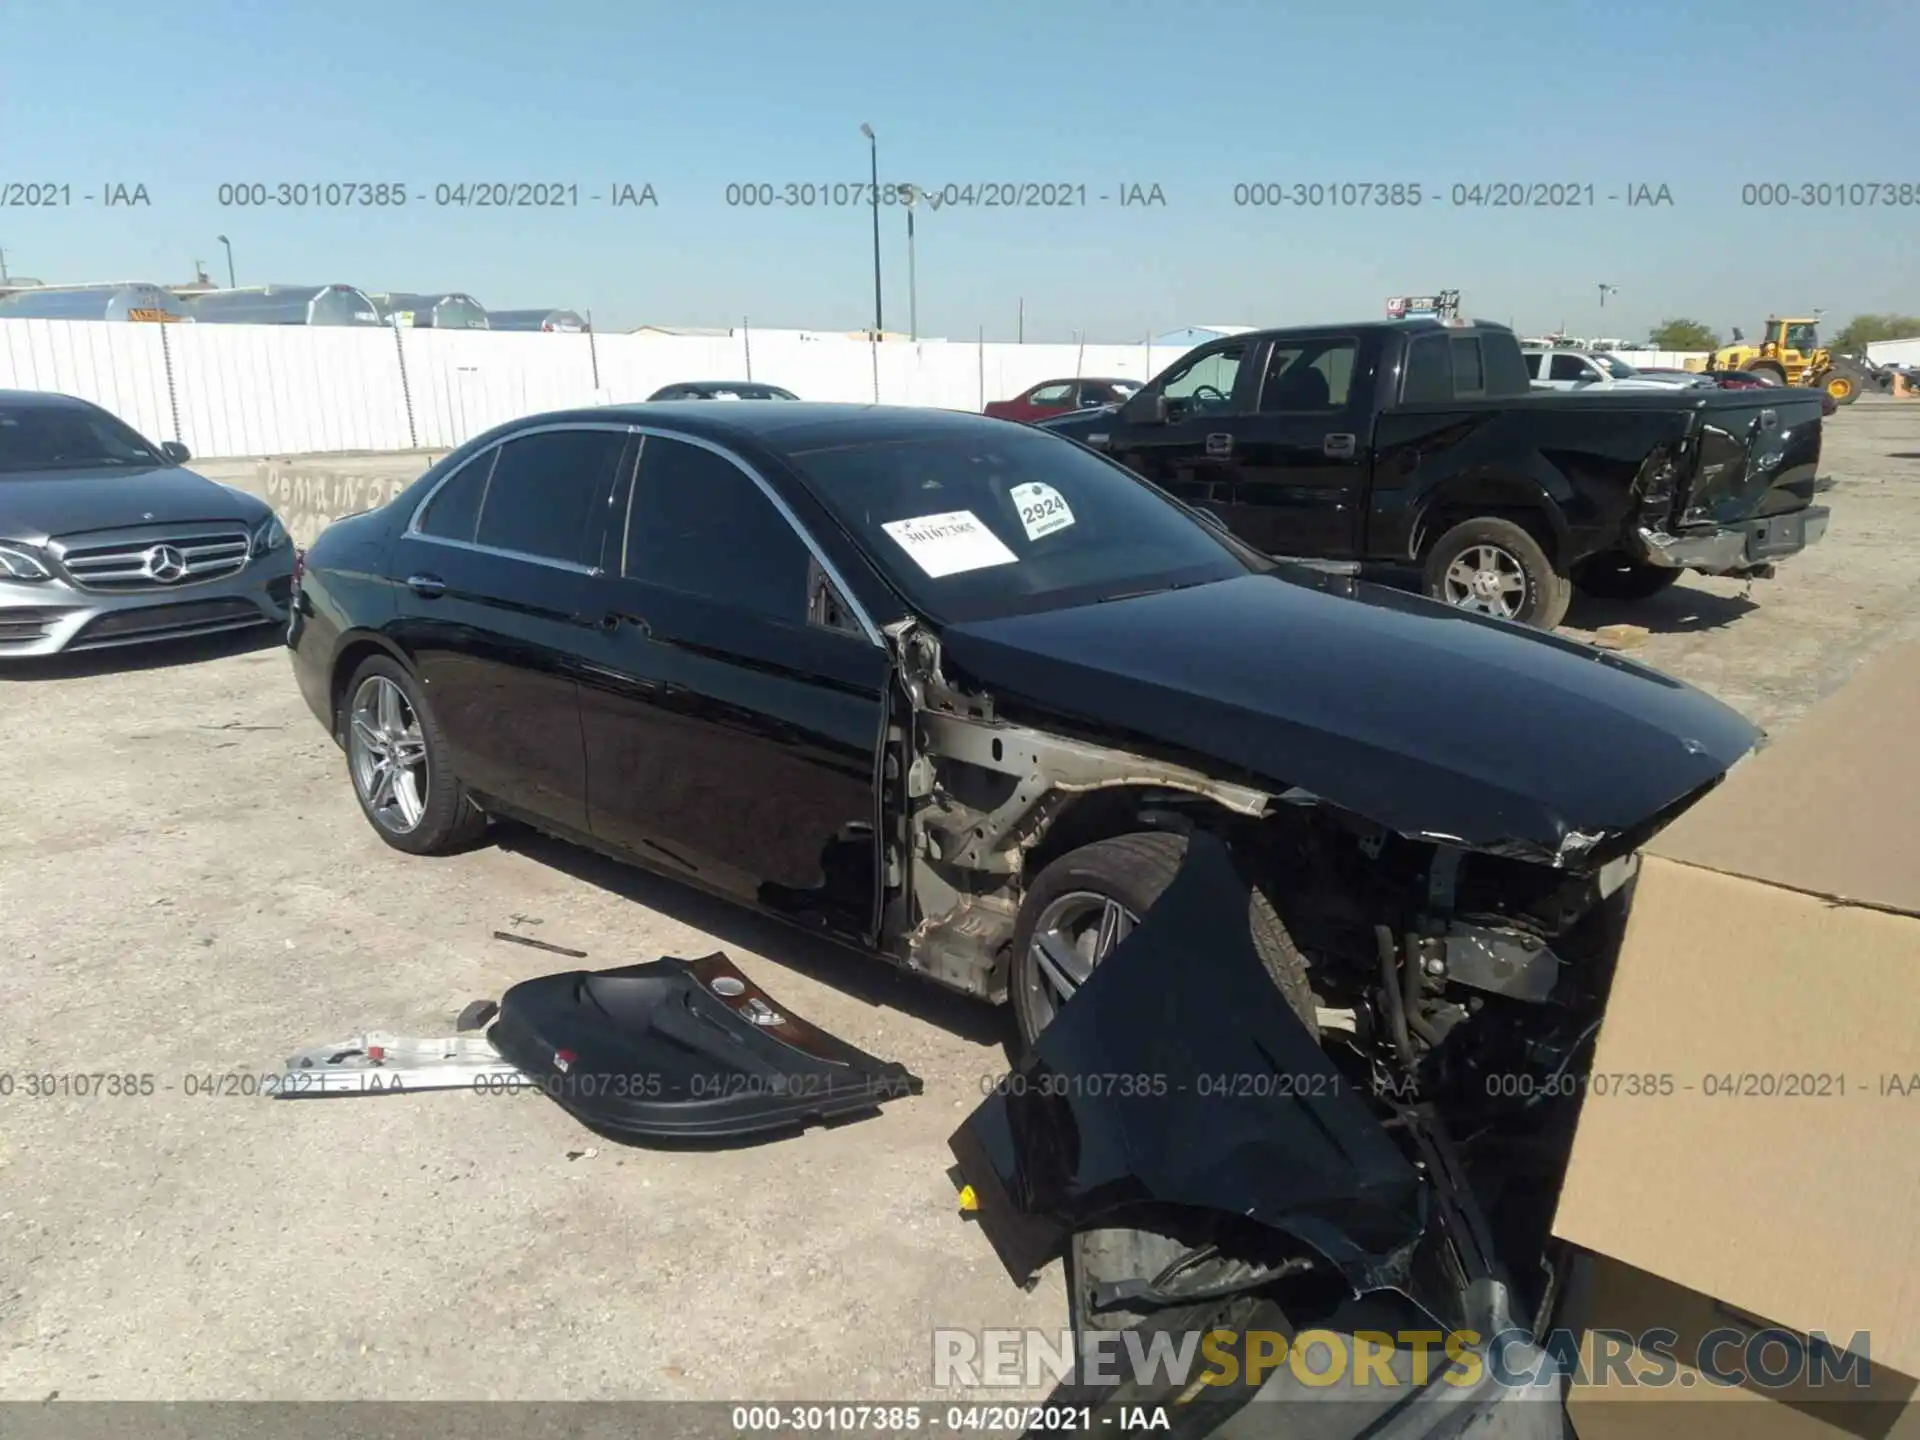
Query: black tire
1546	593
1769	371
449	821
1855	379
1614	576
1135	870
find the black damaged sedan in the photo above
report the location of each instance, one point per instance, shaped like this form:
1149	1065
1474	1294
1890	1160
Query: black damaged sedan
963	694
954	692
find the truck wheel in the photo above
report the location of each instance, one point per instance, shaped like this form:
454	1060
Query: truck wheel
1086	902
1843	386
1493	567
1614	576
1769	371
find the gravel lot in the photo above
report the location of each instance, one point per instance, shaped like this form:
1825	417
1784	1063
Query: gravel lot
188	889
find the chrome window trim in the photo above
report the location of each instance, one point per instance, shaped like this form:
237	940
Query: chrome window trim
780	505
785	511
413	531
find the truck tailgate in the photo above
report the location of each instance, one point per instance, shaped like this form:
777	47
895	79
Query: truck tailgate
1755	454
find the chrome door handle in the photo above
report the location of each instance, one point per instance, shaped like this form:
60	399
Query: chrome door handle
427	585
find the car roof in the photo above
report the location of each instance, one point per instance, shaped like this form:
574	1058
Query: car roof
1416	324
782	426
52	399
723	385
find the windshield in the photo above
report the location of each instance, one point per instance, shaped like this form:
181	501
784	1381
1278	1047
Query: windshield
1616	367
67	437
974	526
1803	337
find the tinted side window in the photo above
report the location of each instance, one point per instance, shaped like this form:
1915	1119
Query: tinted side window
1532	359
1429	373
545	490
1468	378
1569	367
1309	376
698	524
454	511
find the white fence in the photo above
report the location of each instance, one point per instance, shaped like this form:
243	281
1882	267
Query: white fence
283	390
292	390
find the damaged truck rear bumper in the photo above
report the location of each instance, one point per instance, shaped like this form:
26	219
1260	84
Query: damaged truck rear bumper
1747	547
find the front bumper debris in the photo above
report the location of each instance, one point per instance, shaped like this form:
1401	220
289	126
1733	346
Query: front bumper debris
1100	1118
1739	549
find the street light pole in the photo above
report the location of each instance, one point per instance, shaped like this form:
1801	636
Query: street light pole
873	149
232	284
909	194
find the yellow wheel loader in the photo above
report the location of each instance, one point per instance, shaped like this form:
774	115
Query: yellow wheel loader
1790	353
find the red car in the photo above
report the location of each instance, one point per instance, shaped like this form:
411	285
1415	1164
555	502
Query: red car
1749	380
1062	397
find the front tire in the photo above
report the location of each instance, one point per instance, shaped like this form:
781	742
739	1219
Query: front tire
1494	567
1619	577
1083	904
1108	885
398	761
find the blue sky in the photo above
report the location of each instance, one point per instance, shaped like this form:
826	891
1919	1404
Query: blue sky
1702	96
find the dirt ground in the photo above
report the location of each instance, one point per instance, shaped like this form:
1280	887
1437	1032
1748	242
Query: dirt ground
188	890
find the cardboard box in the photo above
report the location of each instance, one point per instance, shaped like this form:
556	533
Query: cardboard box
1768	997
1608	1302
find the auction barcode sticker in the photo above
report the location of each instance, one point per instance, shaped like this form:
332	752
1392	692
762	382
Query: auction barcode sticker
949	544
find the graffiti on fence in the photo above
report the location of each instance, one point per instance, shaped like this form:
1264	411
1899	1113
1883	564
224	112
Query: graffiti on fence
308	498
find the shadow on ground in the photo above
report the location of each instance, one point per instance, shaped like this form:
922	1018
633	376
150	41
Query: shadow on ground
867	979
1677	610
159	655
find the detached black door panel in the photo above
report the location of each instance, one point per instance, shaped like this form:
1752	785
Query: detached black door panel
728	739
495	585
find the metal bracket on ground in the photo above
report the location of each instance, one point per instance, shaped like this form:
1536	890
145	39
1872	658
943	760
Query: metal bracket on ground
377	1064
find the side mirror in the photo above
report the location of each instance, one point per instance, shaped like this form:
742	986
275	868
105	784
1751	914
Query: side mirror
1149	407
175	451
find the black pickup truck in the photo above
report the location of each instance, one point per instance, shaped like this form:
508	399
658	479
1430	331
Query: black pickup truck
1420	444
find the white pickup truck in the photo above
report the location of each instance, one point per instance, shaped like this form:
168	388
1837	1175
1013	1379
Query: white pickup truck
1559	369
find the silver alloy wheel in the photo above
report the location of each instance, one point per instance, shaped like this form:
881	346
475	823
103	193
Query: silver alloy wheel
1487	579
1073	934
387	755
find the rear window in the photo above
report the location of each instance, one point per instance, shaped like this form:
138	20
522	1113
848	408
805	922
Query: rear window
1468	378
1429	371
1507	372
